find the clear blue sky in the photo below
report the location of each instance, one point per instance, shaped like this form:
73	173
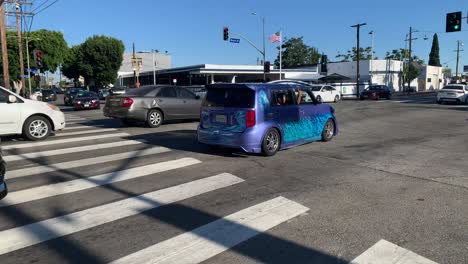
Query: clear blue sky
192	30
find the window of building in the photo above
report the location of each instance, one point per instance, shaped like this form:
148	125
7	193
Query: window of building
429	80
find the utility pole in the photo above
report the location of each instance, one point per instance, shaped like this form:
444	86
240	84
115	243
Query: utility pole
20	44
264	74
154	68
410	59
459	43
3	39
134	69
372	55
358	57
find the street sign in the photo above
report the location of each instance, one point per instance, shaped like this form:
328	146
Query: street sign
24	76
33	71
234	40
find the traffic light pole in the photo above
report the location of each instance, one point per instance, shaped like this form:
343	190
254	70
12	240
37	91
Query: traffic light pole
358	57
458	57
264	74
250	42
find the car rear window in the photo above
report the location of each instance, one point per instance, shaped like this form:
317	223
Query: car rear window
453	87
142	91
86	94
230	97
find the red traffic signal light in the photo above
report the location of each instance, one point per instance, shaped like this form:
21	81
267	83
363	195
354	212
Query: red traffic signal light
225	33
38	58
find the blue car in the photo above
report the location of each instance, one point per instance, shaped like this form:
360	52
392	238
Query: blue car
3	186
264	118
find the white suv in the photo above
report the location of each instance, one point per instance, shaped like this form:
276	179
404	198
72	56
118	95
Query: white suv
32	119
456	93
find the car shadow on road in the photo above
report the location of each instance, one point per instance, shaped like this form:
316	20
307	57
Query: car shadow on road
261	247
186	140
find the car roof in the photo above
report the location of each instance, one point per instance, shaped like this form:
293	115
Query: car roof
256	86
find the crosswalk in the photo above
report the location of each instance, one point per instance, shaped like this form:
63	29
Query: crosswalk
72	151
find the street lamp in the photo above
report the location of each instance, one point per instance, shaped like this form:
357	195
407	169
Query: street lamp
372	55
263	27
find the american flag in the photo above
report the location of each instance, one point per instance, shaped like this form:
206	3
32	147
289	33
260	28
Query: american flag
275	37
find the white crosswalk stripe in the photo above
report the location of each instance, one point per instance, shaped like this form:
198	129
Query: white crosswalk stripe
24	236
102	130
61	141
384	252
82	184
56	152
214	238
84	162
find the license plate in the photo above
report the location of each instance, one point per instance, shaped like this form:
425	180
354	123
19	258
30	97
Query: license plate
86	105
221	118
451	94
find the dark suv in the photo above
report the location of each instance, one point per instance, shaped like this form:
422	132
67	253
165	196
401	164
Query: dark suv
376	92
3	186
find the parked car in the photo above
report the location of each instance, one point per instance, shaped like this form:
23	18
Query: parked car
86	100
103	93
455	93
33	119
264	118
58	90
376	92
153	105
117	90
36	95
48	95
70	95
3	185
326	93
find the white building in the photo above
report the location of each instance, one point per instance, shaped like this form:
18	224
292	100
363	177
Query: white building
386	72
161	61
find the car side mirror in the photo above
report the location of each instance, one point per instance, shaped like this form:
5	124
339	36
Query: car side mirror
12	99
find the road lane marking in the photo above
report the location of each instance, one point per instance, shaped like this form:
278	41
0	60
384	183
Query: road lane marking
61	141
84	162
56	152
99	130
384	252
47	191
32	234
216	237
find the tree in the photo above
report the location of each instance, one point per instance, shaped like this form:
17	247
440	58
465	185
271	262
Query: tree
98	60
402	54
434	57
52	45
411	72
351	55
296	53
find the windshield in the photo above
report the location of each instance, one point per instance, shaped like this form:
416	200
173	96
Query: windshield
86	94
230	97
316	88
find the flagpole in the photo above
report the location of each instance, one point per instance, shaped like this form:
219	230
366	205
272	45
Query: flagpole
281	54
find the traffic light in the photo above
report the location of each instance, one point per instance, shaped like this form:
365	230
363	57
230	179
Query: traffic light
225	33
38	59
266	67
454	22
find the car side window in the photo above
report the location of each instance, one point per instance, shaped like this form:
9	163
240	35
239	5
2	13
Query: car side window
3	96
305	97
168	92
282	98
184	93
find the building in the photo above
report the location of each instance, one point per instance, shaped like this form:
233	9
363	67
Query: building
203	74
385	72
161	61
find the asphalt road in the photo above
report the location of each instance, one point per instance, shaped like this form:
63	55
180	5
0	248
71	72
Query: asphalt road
99	192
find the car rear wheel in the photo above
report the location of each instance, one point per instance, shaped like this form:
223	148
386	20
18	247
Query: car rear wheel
155	118
328	130
337	98
36	128
271	142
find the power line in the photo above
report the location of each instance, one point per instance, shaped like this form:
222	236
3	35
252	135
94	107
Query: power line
46	7
39	6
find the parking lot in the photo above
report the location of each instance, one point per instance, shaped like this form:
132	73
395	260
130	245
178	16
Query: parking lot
397	172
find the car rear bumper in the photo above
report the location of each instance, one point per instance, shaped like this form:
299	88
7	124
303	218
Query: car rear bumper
248	141
451	99
135	114
82	106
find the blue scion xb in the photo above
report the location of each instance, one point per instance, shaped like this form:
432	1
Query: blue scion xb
264	118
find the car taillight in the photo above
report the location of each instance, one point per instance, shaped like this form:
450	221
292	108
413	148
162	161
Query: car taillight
250	118
460	92
127	102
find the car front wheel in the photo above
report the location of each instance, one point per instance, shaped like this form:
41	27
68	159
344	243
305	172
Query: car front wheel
328	130
36	128
271	142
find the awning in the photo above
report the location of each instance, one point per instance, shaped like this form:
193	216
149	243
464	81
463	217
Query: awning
334	78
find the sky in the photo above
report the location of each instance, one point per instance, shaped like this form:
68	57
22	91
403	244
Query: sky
191	30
